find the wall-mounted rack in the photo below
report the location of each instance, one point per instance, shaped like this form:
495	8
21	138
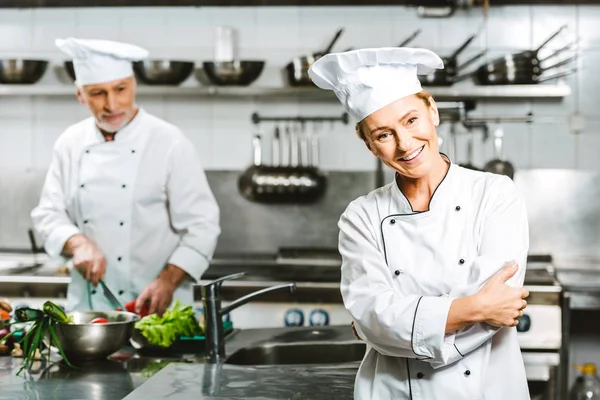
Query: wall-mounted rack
257	119
453	93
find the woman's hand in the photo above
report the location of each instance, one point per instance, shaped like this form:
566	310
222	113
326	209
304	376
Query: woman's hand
500	304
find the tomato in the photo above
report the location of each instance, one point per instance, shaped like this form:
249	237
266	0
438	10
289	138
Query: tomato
99	320
131	308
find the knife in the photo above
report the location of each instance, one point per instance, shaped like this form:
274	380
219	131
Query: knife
114	302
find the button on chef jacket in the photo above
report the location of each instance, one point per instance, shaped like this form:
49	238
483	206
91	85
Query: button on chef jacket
143	199
401	269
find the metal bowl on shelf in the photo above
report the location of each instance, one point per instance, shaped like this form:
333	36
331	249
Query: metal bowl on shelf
81	340
70	70
21	71
230	73
163	72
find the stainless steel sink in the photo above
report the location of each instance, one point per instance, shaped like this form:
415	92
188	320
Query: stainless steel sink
299	353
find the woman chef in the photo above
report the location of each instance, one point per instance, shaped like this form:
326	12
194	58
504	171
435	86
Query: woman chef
125	195
433	262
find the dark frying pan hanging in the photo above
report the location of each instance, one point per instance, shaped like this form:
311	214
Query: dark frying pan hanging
447	75
520	76
526	61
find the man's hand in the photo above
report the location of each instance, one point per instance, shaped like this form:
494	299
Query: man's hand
87	258
159	293
500	304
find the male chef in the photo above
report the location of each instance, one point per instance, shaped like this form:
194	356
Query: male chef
125	196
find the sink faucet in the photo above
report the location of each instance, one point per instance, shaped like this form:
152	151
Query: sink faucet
213	313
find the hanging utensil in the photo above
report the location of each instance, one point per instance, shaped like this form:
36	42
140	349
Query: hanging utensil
275	148
469	164
280	184
315	145
297	69
304	147
498	165
409	39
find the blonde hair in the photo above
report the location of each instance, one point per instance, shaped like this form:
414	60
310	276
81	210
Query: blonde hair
423	95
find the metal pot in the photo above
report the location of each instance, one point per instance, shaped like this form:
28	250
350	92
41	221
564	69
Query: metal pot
297	69
280	184
448	75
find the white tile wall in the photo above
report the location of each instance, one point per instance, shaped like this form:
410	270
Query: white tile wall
221	129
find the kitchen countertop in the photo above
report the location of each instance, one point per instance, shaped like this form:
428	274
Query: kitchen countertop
111	379
133	376
219	381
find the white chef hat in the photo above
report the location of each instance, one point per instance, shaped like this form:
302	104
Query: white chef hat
367	80
98	61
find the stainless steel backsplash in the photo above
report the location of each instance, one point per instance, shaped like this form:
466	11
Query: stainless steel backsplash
246	227
563	208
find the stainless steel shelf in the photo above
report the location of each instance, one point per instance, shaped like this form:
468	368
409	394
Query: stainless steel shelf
459	92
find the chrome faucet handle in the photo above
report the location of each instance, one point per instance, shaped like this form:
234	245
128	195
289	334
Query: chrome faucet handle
213	288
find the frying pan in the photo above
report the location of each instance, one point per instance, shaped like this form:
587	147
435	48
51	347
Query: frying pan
498	165
521	68
297	69
519	76
447	76
280	184
527	57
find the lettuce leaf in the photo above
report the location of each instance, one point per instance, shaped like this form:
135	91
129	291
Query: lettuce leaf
175	322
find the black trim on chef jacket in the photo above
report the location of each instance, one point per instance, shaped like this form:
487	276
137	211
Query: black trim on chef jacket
409	383
386	260
412	332
410	205
461	354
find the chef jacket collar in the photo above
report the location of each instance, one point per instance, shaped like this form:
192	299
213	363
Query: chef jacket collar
125	133
443	194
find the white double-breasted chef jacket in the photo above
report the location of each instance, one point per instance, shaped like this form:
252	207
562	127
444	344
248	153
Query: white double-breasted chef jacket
143	199
402	269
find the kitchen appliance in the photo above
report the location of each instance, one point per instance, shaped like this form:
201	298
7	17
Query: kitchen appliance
540	329
21	71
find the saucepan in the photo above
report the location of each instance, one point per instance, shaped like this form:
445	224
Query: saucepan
291	183
297	69
448	75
